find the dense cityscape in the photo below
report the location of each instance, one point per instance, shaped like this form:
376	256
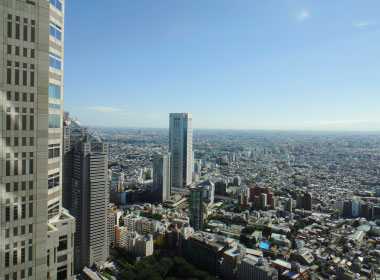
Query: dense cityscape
96	203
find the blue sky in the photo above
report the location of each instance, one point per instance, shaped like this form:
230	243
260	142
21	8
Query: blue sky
244	64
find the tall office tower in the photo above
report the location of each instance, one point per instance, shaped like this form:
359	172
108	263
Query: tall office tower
196	207
161	177
36	232
85	173
181	149
304	201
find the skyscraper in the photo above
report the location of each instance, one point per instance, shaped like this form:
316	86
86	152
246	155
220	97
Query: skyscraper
196	207
36	232
85	187
181	149
161	177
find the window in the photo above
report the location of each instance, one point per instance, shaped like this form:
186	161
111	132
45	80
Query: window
55	61
62	243
17	76
7	214
31	141
16	141
32	53
9	49
9	96
6	259
30	210
7	187
15	167
53	150
25	33
17	50
24	77
15	257
32	34
8	141
31	166
54	121
8	168
23	123
54	106
9	30
31	120
9	76
53	180
17	96
23	211
57	4
54	91
32	79
18	31
55	31
30	254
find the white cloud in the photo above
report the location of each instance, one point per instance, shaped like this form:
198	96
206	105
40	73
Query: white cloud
363	23
105	109
302	15
343	122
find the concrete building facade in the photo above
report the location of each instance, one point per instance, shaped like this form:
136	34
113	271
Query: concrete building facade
86	192
181	149
36	232
161	177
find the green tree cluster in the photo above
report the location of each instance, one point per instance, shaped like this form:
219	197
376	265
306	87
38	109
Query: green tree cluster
151	215
156	267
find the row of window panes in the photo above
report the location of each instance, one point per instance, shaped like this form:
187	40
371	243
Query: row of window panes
16	96
15	212
55	31
57	4
53	181
15	258
54	106
54	121
55	61
15	186
17	51
22	274
16	141
13	122
53	153
16	169
17	77
17	32
54	91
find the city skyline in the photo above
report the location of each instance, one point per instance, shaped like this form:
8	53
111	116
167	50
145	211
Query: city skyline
294	65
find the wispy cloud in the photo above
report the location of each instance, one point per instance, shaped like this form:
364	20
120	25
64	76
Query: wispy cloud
342	122
105	109
302	15
153	115
363	23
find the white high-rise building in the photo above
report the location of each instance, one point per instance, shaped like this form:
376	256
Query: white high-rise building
181	149
36	232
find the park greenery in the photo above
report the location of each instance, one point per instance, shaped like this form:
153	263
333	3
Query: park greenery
159	266
151	215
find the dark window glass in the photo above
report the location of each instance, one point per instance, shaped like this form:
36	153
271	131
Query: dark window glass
17	50
30	210
31	122
17	96
7	141
32	53
25	52
9	29
30	166
9	95
9	49
25	33
23	167
16	141
9	76
17	31
33	34
23	138
24	78
17	121
9	121
24	123
15	167
8	187
8	168
32	79
32	97
15	215
17	76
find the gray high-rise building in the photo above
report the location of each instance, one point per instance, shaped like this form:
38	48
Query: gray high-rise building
196	207
161	177
181	149
85	186
36	232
